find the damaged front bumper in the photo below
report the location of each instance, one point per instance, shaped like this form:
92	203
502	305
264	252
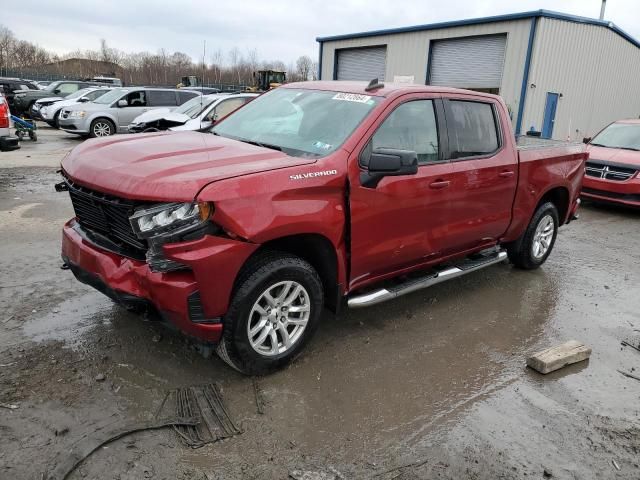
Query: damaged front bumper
194	300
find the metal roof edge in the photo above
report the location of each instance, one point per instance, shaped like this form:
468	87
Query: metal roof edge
492	19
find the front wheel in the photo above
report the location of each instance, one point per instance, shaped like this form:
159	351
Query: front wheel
534	246
274	312
102	128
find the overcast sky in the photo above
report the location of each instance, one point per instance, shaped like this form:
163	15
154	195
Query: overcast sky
278	29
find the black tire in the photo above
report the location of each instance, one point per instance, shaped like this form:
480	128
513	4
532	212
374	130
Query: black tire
522	251
261	273
102	127
56	120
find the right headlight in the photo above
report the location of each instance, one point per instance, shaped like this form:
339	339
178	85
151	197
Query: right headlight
77	114
168	218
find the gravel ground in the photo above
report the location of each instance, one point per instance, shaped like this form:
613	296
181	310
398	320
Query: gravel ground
432	385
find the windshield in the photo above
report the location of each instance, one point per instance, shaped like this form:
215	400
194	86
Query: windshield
112	96
297	121
195	106
619	135
78	93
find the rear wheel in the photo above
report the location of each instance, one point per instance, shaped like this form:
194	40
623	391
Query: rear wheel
102	127
534	246
274	312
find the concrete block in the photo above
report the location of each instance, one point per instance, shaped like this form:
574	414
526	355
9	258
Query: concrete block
560	356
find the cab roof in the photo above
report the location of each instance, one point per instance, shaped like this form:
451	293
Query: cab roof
388	90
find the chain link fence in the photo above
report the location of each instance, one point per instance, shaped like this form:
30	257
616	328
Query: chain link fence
51	77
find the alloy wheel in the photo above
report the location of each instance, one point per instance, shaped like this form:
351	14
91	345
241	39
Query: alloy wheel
278	318
543	237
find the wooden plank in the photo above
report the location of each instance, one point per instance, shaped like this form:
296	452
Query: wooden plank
560	356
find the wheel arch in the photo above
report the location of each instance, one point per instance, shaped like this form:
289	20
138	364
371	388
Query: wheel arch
320	252
560	197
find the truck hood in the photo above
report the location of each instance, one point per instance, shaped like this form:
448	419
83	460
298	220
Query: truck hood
615	155
167	166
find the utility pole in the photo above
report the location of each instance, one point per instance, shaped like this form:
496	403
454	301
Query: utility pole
604	5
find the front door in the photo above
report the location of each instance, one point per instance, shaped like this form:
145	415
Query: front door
402	221
549	115
136	105
484	172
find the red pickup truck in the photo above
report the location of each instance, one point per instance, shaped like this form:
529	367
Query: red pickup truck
316	194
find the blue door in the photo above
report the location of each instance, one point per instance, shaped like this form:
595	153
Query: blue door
549	115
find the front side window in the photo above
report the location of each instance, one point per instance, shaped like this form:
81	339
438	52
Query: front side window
225	107
137	99
411	126
472	129
300	122
162	98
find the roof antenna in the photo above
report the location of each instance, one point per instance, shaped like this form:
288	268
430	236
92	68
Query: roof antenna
374	85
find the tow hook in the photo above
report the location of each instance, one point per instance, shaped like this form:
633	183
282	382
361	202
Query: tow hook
61	187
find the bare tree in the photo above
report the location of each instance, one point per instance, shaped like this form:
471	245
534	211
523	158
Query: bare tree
303	67
235	57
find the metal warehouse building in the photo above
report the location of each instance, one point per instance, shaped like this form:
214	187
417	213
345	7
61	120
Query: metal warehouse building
566	76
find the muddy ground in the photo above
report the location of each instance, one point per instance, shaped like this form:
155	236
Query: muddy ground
432	385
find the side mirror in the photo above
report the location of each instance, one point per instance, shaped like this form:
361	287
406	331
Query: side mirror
57	91
122	103
386	162
83	100
586	140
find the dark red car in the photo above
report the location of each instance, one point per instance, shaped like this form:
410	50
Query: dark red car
314	195
614	163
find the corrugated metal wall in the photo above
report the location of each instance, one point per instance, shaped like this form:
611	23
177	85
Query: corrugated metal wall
596	71
407	53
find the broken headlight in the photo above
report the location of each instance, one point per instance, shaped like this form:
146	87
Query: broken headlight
168	217
166	223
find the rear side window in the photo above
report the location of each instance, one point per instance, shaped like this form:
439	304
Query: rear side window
472	129
411	126
185	96
162	98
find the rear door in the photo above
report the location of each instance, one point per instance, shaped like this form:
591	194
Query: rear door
483	171
401	222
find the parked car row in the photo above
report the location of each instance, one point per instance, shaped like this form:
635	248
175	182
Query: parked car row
198	114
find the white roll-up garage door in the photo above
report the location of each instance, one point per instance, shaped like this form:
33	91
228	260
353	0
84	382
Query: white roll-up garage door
473	62
362	63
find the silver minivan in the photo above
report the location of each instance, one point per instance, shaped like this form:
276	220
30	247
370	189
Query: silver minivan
113	112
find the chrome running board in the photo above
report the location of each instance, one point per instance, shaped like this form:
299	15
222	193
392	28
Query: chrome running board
454	271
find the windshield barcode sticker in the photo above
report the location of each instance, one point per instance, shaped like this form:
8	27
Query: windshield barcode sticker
352	97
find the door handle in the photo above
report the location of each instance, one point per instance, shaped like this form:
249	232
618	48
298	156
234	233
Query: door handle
439	184
506	174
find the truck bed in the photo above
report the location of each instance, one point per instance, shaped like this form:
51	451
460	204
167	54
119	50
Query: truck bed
524	142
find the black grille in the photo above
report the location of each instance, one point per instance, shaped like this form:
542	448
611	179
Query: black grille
106	215
196	312
609	171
